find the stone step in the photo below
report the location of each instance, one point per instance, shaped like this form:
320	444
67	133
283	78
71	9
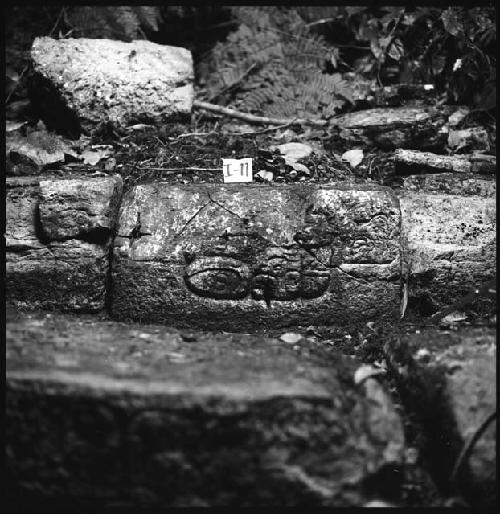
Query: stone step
116	414
239	257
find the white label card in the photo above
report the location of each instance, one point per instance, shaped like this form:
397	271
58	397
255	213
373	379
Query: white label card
237	170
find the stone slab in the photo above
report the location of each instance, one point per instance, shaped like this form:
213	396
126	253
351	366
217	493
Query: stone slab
79	83
422	128
448	380
449	245
243	256
142	415
67	275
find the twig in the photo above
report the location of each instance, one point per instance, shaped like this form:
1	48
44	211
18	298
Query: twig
464	454
195	134
268	129
148	168
250	118
319	22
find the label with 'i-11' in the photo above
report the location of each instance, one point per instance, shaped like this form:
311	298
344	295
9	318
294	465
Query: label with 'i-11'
237	170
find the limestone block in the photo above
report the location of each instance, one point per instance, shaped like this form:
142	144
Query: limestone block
449	244
68	275
78	83
240	256
136	415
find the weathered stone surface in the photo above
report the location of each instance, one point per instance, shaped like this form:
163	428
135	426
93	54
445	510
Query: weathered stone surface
448	380
449	245
422	128
142	415
42	272
246	256
473	138
78	83
79	207
451	183
414	161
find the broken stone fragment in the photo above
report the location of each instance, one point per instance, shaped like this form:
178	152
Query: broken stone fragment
451	393
76	208
413	161
473	138
448	245
253	256
422	128
79	83
134	415
69	275
31	154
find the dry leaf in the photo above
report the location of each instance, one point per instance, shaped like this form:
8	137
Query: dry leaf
291	337
265	175
366	371
404	301
95	154
10	126
294	151
353	157
453	317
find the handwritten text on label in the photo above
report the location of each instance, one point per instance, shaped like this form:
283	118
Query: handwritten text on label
237	170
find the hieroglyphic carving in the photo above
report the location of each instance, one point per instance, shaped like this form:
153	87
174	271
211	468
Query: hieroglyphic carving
278	273
218	277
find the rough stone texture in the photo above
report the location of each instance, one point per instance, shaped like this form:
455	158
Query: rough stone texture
78	83
31	154
449	245
413	161
420	128
42	272
77	207
448	380
244	256
451	183
134	414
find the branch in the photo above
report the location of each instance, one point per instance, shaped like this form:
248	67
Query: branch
250	118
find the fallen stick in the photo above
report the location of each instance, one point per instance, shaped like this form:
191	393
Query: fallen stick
148	168
250	118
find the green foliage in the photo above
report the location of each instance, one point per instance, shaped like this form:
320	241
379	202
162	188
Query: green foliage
112	22
452	48
277	65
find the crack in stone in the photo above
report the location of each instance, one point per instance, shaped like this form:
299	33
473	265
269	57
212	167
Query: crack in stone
190	220
222	206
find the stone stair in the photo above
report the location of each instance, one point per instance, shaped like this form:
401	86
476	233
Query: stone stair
146	361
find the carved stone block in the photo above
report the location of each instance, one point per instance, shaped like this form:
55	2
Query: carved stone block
245	256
